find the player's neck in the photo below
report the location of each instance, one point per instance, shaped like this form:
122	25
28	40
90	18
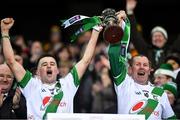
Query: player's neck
142	83
49	84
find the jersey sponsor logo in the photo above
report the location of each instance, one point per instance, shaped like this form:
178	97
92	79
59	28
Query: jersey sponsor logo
156	113
138	106
62	104
46	100
137	92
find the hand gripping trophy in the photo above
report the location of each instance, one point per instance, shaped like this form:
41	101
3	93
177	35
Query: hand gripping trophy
113	32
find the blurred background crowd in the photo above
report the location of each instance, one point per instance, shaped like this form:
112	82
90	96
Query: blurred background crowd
154	33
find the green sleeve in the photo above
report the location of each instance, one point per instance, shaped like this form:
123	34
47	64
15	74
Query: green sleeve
75	76
117	55
25	79
117	63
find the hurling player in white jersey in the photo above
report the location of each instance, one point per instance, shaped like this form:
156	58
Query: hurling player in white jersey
135	94
44	93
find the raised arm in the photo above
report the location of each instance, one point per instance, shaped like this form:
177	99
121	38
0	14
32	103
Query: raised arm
88	54
136	37
118	52
16	68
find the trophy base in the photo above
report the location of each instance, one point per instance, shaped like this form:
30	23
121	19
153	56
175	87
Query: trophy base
113	34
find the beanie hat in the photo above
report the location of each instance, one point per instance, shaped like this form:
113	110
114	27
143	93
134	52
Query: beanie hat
160	29
165	69
172	87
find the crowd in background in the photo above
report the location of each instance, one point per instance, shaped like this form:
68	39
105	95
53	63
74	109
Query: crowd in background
96	91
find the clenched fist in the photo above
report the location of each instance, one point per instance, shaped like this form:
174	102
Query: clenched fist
6	25
121	15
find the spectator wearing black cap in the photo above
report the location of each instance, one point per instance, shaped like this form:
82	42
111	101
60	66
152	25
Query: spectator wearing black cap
174	60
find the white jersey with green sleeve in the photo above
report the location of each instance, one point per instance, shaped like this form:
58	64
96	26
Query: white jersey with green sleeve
38	95
133	98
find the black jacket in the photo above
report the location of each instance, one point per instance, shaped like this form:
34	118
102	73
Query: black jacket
7	112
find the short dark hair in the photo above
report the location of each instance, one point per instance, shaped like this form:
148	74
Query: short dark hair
174	56
131	61
46	55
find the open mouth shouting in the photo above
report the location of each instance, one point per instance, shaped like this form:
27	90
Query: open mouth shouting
141	73
49	73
